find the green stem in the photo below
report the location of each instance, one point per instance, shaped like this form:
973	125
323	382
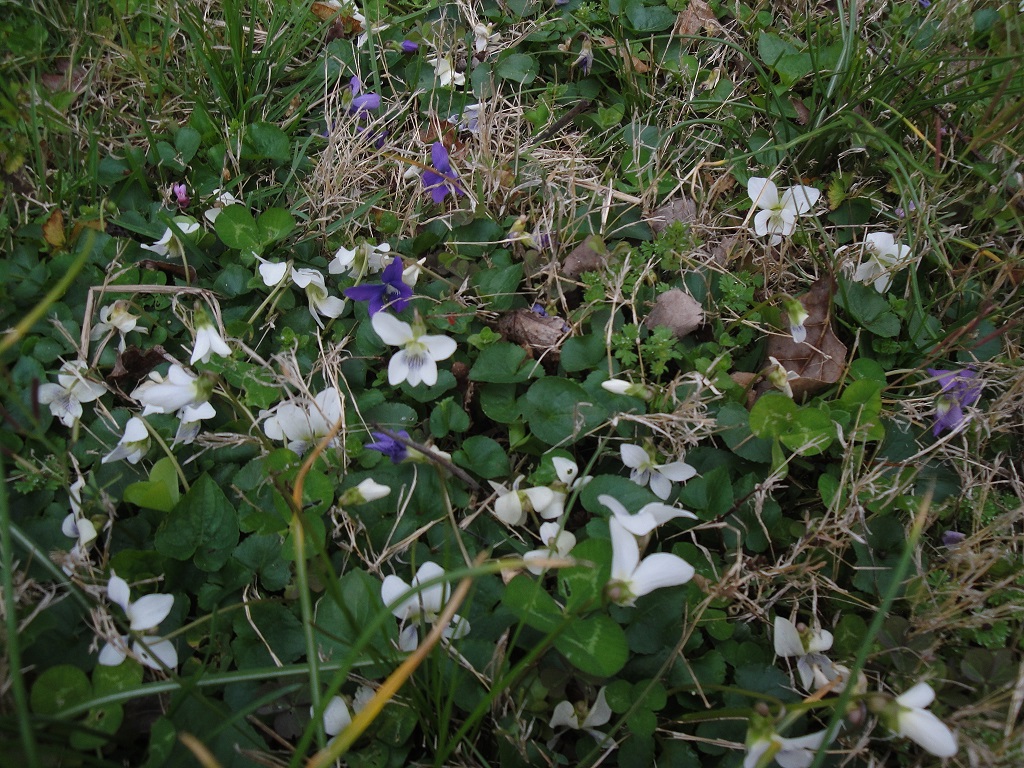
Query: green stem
11	613
841	704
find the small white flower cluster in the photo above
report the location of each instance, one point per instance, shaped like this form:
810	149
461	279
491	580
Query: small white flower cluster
880	256
906	715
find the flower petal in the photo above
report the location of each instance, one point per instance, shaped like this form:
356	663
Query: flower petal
625	552
920	696
633	456
147	612
391	330
662	569
763	192
786	638
118	591
921	726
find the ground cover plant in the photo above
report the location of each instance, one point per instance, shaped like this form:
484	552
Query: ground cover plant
511	383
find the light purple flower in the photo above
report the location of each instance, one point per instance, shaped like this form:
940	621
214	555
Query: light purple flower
408	46
440	181
392	293
959	391
362	103
180	192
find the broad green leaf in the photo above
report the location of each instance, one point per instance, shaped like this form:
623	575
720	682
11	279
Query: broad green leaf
265	141
106	719
484	456
644	18
502	363
772	415
517	67
811	432
447	417
274	224
531	604
734	423
160	492
558	411
237	229
338	627
202	525
59	688
186	142
595	645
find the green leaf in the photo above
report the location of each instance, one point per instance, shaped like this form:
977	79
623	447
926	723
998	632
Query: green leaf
580	353
274	224
649	19
448	417
59	688
502	363
265	141
734	422
339	626
771	48
123	677
772	415
186	142
811	432
558	411
498	287
262	555
202	525
160	492
595	646
531	604
517	67
583	585
482	455
237	229
105	719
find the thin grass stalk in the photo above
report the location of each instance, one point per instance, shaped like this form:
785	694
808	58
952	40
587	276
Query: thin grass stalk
28	741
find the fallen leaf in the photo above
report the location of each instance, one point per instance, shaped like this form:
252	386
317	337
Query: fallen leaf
820	360
65	78
589	256
803	114
529	329
631	61
697	16
133	365
53	229
682	209
176	270
678	311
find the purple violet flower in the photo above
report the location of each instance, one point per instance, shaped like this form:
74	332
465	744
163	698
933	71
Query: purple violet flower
392	293
959	391
408	46
393	449
362	104
953	539
180	192
441	182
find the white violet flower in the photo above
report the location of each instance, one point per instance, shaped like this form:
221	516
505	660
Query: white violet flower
416	361
365	258
777	215
208	339
173	393
65	398
815	669
909	717
445	71
143	614
170	245
797	752
580	718
647	519
884	256
133	445
660	476
632	577
116	317
221	200
423	606
558	543
304	422
190	421
320	302
796	314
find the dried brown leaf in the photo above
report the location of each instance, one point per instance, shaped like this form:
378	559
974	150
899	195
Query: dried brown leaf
631	61
820	360
682	209
527	328
589	256
678	311
697	16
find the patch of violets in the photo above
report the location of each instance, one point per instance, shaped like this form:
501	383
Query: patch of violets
960	389
441	180
392	293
